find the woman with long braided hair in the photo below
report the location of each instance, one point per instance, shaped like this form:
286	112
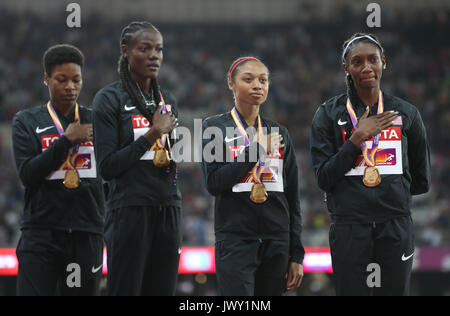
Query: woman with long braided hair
133	120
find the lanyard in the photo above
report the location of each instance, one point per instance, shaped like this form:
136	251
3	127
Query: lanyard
369	157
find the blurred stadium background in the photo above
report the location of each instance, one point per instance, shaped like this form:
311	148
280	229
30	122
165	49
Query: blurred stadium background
300	41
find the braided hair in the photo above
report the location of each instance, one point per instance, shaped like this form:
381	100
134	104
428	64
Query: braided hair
346	47
125	76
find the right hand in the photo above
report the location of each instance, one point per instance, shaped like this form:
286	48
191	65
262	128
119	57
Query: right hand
271	142
371	126
163	123
78	133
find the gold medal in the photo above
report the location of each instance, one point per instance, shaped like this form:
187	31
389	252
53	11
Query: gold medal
372	177
72	179
259	193
162	158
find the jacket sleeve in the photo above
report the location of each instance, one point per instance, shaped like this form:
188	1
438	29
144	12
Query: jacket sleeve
113	160
419	156
292	191
329	163
221	176
34	166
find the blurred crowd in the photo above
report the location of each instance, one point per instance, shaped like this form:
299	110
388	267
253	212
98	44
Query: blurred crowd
304	61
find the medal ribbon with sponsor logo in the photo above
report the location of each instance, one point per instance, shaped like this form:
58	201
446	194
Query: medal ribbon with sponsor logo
71	178
257	171
369	155
71	158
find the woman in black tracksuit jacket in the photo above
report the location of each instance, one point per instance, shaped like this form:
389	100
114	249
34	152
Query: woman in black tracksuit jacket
62	222
371	217
143	224
257	241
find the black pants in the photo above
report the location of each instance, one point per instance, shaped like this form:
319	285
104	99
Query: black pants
143	248
373	259
252	267
54	262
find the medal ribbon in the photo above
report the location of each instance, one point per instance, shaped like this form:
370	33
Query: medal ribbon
259	168
240	126
369	156
257	173
161	142
71	157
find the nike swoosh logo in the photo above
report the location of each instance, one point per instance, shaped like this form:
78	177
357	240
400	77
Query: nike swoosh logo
229	140
341	123
95	270
407	258
41	130
129	108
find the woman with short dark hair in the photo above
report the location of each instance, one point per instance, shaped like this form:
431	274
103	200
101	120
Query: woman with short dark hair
62	223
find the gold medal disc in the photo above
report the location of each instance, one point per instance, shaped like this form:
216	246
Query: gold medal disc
72	179
162	158
259	194
372	177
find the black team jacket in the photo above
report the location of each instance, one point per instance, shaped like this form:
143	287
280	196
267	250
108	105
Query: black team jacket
39	152
236	216
333	156
123	153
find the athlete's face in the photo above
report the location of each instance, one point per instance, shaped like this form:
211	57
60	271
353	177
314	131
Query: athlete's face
251	83
365	65
64	84
144	54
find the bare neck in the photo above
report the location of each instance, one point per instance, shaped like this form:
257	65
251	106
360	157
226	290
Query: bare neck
369	96
249	112
144	83
63	109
